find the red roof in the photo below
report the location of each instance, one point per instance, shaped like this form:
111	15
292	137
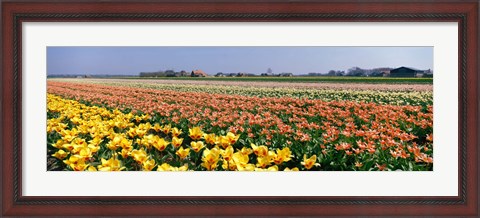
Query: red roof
199	73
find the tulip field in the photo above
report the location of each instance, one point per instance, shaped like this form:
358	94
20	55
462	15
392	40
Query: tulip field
115	125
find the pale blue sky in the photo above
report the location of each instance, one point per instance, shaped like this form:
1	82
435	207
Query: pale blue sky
297	60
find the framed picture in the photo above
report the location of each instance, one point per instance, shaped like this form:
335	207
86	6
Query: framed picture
372	107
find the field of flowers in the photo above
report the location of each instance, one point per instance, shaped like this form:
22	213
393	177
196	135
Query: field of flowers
380	94
135	126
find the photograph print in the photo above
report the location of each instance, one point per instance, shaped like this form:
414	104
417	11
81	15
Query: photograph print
239	108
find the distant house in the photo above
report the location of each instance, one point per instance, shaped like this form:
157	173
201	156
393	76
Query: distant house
183	73
385	73
405	72
219	74
428	73
198	73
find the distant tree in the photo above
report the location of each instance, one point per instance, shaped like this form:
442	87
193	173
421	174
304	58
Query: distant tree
377	74
335	73
269	71
183	73
356	71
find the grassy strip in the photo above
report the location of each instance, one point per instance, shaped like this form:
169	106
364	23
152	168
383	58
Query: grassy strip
375	80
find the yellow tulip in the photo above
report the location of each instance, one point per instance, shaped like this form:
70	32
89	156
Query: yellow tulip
226	164
210	158
164	167
227	153
177	142
195	133
161	144
167	167
91	168
111	164
69	135
145	117
210	138
116	139
149	140
126	144
78	144
197	146
182	153
260	151
272	168
232	138
183	168
140	132
283	155
310	162
263	162
240	159
139	155
58	144
60	154
76	162
223	141
114	144
166	128
241	162
132	132
176	132
148	165
96	141
68	146
248	167
85	153
246	151
124	153
157	127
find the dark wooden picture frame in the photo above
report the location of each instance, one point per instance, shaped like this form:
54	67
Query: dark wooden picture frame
14	13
